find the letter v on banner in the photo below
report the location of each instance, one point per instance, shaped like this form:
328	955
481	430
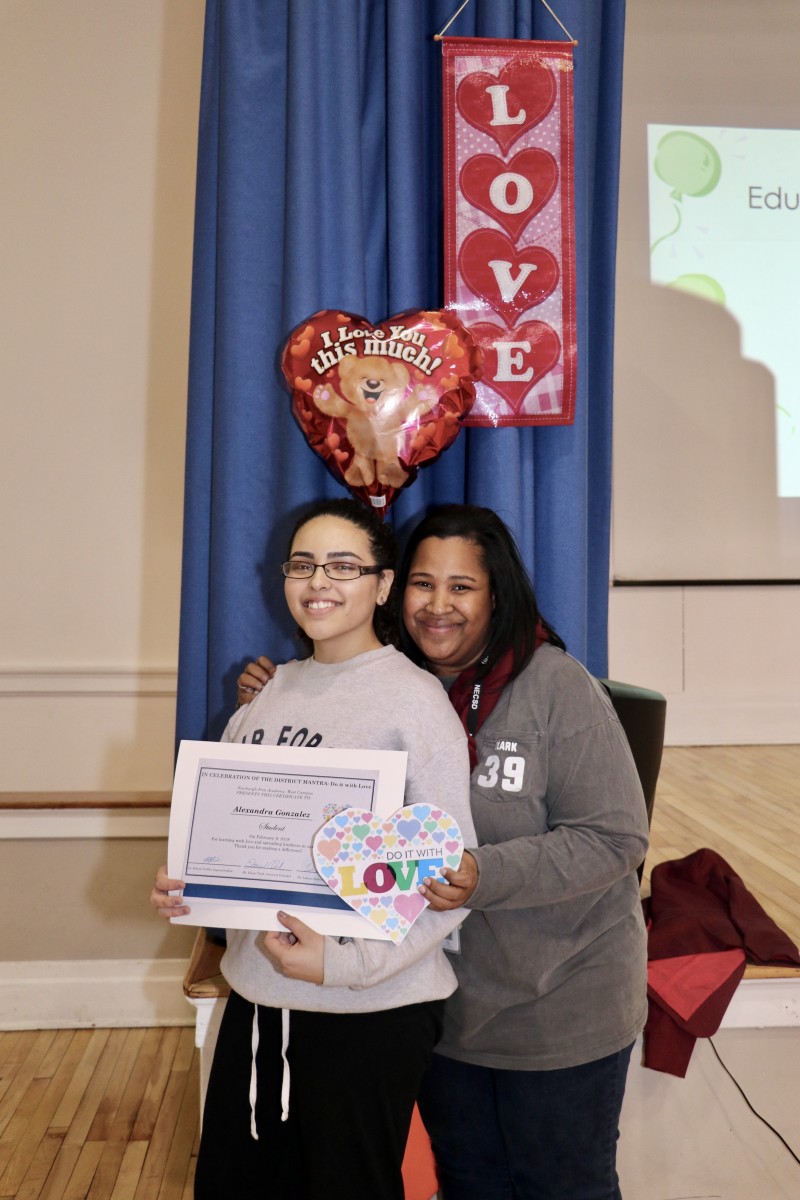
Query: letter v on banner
509	223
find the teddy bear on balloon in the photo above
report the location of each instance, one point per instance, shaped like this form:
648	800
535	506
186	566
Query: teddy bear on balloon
378	401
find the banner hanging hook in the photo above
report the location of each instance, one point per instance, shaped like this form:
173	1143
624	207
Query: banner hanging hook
437	37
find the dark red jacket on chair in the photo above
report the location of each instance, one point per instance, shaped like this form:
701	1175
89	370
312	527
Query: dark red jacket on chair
703	924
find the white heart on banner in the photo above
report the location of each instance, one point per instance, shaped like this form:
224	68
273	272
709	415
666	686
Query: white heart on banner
377	863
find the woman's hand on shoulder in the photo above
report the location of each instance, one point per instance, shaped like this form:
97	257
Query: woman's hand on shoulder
166	905
298	953
253	678
459	887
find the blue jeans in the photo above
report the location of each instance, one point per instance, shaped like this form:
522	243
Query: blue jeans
526	1135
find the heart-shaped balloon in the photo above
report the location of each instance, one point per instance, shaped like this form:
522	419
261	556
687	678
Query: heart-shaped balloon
376	864
512	193
507	104
511	280
378	401
516	359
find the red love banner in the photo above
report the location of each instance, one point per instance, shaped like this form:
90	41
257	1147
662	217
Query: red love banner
509	223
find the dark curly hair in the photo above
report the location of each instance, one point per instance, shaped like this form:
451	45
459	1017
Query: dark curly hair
516	613
382	546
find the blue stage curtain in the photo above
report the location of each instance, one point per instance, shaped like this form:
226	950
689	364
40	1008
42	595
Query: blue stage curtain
319	186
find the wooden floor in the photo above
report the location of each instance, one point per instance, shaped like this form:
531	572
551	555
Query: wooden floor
113	1114
107	1114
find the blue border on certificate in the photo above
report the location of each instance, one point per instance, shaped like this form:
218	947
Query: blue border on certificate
207	891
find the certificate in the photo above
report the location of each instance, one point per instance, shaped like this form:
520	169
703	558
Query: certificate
243	820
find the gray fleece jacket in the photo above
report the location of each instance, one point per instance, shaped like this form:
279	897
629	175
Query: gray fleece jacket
552	969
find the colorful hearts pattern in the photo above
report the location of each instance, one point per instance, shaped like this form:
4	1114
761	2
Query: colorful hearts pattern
375	864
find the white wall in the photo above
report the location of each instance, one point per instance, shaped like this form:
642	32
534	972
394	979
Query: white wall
726	658
98	144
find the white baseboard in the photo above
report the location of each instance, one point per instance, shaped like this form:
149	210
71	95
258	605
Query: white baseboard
764	1004
89	993
125	993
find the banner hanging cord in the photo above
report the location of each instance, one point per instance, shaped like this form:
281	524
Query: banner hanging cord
559	23
437	37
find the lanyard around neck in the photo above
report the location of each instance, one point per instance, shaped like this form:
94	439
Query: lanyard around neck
473	711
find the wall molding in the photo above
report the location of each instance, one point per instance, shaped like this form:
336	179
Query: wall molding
724	721
88	681
56	823
89	993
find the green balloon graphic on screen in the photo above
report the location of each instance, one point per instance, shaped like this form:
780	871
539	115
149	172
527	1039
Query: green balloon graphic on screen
688	163
704	286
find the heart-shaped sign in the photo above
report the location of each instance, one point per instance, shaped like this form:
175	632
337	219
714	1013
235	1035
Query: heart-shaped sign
378	401
512	193
516	359
507	104
377	863
510	280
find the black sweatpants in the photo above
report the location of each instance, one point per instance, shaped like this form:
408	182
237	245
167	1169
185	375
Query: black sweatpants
354	1080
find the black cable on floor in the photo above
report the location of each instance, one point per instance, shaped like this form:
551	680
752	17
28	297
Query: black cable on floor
749	1105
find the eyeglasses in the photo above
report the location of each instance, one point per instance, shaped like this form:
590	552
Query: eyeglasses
298	568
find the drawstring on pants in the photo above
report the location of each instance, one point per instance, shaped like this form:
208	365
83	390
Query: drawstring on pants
286	1073
286	1078
254	1075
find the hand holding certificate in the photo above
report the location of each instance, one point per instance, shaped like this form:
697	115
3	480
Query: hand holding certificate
242	824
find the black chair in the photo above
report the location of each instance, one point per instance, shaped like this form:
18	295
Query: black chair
642	714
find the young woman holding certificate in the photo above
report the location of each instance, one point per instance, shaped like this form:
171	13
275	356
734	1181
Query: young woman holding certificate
524	1092
324	1041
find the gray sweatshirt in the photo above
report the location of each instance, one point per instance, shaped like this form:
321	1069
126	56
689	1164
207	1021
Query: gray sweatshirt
552	970
381	701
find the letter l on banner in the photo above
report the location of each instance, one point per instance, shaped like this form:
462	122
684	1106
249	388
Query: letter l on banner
509	223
